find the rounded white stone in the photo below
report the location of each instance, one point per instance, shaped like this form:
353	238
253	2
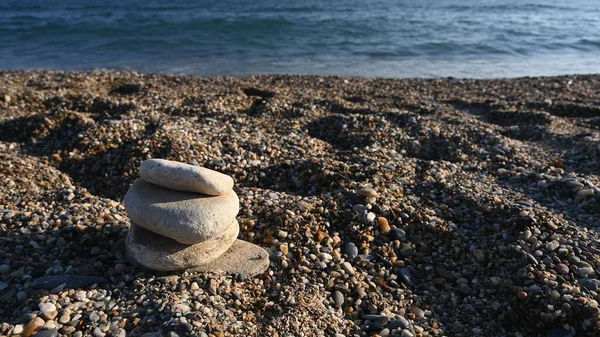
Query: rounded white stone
185	177
183	216
157	252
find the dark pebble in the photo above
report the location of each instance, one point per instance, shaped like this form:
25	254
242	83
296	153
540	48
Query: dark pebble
559	332
407	276
399	323
70	281
397	234
351	250
375	321
187	327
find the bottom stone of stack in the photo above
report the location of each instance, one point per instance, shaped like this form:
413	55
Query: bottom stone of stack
161	253
241	258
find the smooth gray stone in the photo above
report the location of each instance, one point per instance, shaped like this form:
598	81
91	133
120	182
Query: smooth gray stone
158	252
185	177
351	249
186	217
70	281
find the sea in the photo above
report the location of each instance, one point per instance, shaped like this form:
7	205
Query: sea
368	38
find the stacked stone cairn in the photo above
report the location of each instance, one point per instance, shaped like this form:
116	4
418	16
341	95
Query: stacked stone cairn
183	218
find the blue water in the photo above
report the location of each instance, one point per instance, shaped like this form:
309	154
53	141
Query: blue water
375	38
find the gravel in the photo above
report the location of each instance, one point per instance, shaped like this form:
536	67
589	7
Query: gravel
450	207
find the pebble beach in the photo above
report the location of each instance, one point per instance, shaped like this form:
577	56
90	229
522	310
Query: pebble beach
388	207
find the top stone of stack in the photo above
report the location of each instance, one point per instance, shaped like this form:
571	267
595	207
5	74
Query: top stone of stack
184	177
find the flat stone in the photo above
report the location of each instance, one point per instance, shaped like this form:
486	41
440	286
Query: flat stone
158	252
183	216
69	281
241	258
185	177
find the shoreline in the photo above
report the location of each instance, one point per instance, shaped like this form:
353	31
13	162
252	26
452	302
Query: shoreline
481	217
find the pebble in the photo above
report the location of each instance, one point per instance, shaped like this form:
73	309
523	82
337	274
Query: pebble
98	333
242	258
64	318
184	177
384	226
186	327
351	250
376	321
552	245
4	268
407	276
397	234
590	283
586	271
338	298
399	323
94	317
182	308
47	307
182	216
584	193
348	268
18	329
33	326
370	217
367	192
561	268
21	296
47	333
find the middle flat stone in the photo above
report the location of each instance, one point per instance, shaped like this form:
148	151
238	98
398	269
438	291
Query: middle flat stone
186	217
